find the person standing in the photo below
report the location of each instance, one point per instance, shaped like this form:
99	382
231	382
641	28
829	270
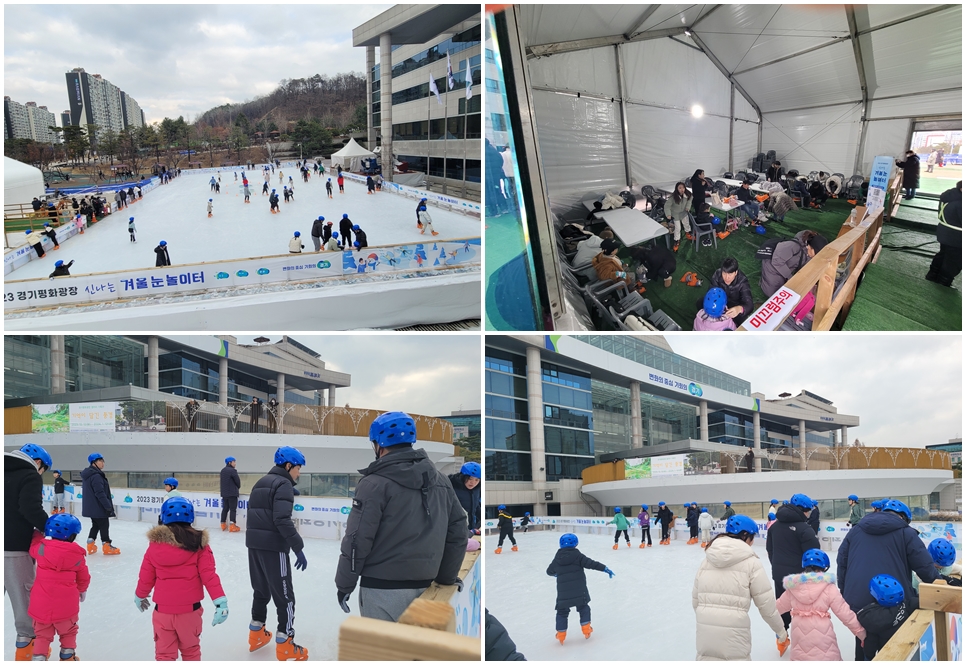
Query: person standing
345	230
729	511
163	258
230	489
620	522
23	515
644	519
910	174
406	528
466	485
948	261
97	504
51	233
36	240
269	537
787	540
255	413
568	567
505	524
341	182
676	209
271	418
699	188
60	502
692	521
855	511
318	230
131	229
666	518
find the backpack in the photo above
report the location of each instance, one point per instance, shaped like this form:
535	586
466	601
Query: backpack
767	248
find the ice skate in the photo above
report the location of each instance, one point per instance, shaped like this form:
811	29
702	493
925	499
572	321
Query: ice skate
68	654
628	543
498	550
233	528
25	648
289	650
419	225
258	636
107	548
642	546
586	630
224	527
615	546
561	636
91	546
650	544
514	549
435	233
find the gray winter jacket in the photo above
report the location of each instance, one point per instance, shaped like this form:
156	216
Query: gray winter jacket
270	526
406	528
788	259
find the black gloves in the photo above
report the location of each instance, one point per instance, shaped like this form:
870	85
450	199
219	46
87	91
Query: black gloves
344	600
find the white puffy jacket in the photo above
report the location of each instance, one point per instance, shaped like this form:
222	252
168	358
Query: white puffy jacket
729	578
705	522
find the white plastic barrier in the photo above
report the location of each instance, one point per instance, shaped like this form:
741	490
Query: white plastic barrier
449	202
196	277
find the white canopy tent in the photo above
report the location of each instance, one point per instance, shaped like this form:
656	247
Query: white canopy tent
348	158
827	87
21	182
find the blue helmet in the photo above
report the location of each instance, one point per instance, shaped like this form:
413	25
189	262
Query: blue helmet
876	505
527	514
345	216
28	232
46	223
661	503
739	524
716	221
774	502
33	451
715	302
617	509
392	428
942	552
177	509
356	244
727	503
853	497
93	457
704	510
58	264
57	471
898	507
771	516
298	233
803	501
355	227
760	230
815	557
229	459
501	507
132	219
335	234
171	481
163	243
330	179
290	455
321	218
62	526
471	469
568	540
644	506
886	590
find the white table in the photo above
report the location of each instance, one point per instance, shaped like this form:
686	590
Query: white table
631	226
756	187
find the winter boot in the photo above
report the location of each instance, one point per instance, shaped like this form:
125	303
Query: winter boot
258	636
561	635
233	528
68	654
224	527
107	548
25	648
514	549
615	546
498	550
287	649
586	630
91	546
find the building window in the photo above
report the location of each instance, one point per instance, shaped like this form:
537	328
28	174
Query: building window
565	467
508	466
455	44
504	407
436	167
454	169
473	170
499	122
568	441
504	384
566	397
507	435
492	85
473	126
505	362
556	415
473	105
414	163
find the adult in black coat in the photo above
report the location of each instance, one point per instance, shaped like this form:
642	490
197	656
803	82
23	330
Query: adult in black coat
97	503
734	283
468	492
254	413
692	521
163	259
23	513
499	646
948	261
699	188
230	489
910	174
62	270
345	229
658	260
788	539
665	517
568	567
361	238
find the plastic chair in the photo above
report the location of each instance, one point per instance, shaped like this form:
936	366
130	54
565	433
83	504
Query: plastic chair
741	175
701	230
751	177
728	175
635	304
853	188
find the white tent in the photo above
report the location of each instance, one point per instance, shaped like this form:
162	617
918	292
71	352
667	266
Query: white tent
348	158
827	87
21	182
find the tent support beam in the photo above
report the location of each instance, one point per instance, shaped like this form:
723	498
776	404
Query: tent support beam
863	83
817	106
597	42
913	17
837	40
731	133
919	116
621	92
641	21
919	94
724	71
683	43
628	100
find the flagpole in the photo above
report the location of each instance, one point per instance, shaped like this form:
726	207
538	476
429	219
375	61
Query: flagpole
429	124
445	128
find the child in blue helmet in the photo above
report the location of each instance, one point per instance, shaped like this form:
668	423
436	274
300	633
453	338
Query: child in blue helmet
944	556
711	316
525	522
705	525
466	484
505	523
622	524
568	567
644	519
886	614
328	187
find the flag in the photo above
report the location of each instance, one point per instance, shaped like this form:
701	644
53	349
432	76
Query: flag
469	84
433	89
449	72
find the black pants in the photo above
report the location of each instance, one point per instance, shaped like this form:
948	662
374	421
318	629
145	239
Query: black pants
40	249
102	525
271	578
506	534
694	530
617	536
779	590
646	533
229	505
583	611
665	530
947	263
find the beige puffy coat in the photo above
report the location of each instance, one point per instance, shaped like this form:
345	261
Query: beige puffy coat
729	578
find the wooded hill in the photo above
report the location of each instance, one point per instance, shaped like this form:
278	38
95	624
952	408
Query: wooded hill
336	102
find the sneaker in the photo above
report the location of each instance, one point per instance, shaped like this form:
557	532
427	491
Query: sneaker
586	630
258	636
561	636
287	649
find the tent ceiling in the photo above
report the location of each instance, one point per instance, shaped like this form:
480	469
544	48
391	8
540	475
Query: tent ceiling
785	56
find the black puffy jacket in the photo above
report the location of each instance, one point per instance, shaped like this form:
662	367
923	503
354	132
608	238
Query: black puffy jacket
499	646
788	539
230	482
468	498
23	507
738	292
568	567
665	515
270	526
881	623
96	494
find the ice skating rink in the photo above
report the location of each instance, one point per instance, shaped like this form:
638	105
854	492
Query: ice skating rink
111	628
177	213
643	613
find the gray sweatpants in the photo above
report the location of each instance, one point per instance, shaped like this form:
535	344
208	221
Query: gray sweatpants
18	578
386	604
317	241
60	501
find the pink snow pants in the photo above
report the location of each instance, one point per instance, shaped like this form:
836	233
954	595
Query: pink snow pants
67	629
174	632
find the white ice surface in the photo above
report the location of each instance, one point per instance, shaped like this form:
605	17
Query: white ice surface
111	628
643	613
177	213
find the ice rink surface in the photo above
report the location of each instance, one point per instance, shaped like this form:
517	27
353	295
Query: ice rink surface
177	213
643	613
111	628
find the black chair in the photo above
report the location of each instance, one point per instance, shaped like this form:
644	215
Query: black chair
728	175
751	177
741	175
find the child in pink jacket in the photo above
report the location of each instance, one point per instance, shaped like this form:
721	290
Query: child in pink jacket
60	586
810	595
179	565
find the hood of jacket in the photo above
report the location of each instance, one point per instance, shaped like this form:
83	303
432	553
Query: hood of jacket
807	587
17	460
591	242
162	535
877	524
408	467
568	556
725	552
280	471
790	513
59	555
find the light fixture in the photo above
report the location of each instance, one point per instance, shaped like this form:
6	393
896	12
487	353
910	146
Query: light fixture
697	111
687	32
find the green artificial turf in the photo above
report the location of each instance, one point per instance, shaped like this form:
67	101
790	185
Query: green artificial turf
919	211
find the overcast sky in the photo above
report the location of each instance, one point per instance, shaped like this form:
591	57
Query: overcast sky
906	389
177	59
431	375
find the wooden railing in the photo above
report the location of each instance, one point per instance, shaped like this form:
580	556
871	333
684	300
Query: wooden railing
18	217
850	253
928	628
893	197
